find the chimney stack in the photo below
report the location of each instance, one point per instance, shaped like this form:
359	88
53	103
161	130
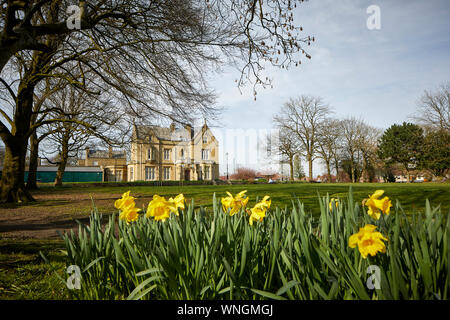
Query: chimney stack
189	129
110	152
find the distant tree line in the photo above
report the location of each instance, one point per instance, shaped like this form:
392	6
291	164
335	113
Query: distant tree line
353	150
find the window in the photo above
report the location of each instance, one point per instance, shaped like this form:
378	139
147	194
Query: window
205	139
151	153
182	153
131	174
166	172
149	173
166	154
95	163
199	172
205	154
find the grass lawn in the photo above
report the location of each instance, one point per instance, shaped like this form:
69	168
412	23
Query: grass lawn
411	196
25	275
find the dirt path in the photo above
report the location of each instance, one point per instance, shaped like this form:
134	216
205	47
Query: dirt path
52	213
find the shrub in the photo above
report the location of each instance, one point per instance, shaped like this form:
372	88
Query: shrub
244	174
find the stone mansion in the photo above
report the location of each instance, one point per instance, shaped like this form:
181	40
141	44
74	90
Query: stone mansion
161	153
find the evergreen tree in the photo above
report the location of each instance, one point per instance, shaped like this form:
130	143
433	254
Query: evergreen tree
402	144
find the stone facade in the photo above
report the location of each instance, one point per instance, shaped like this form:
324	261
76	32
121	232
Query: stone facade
113	163
183	153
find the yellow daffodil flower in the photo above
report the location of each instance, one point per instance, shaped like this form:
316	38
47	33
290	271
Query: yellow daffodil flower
368	241
129	214
377	206
267	201
336	203
234	204
125	201
177	202
258	212
159	208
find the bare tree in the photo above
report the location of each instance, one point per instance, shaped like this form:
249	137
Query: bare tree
64	108
151	56
329	140
434	108
368	147
44	90
288	148
351	160
303	116
359	146
81	119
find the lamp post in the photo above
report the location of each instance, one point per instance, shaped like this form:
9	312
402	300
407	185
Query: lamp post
227	164
281	164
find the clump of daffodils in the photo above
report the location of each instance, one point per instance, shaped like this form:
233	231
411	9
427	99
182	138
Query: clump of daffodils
127	207
258	212
377	206
159	208
369	241
232	205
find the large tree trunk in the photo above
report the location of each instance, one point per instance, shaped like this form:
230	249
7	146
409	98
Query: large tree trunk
291	167
12	182
310	164
64	155
32	169
329	171
6	53
16	142
352	170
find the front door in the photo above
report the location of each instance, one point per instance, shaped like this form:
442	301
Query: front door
187	174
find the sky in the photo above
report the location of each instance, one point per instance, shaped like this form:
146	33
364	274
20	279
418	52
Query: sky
376	75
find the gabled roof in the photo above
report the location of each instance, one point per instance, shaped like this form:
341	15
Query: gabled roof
142	132
177	134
